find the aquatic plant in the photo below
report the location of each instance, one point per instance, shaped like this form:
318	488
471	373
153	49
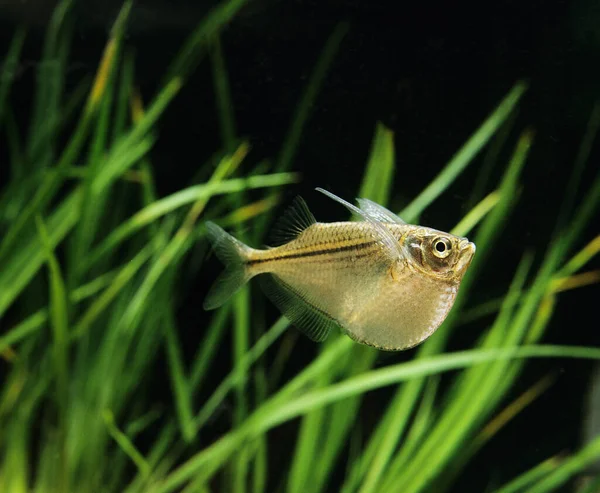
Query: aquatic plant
88	298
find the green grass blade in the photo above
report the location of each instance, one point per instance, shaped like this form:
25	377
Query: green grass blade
179	381
276	412
175	247
241	314
124	96
483	240
417	432
223	98
476	214
580	259
120	282
206	353
125	444
491	429
377	184
79	356
466	154
519	484
444	426
59	316
576	263
567	469
164	206
25	263
228	383
241	334
324	432
300	118
54	179
109	57
92	204
379	174
29	326
328	360
9	205
414	369
9	68
490	160
60	121
136	143
49	84
308	442
583	214
195	46
36	321
580	161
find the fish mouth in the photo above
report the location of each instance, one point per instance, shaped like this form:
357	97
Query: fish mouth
467	250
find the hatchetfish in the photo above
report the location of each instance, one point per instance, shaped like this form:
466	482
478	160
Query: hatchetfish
383	282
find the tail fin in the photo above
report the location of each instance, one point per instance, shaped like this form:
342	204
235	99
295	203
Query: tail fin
232	253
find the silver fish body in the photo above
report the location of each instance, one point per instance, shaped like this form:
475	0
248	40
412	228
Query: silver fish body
383	282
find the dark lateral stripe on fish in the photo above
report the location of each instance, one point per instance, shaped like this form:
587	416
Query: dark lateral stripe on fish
314	253
331	259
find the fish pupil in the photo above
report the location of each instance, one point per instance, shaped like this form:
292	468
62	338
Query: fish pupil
440	246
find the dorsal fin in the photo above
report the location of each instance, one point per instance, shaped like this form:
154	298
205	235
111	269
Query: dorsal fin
296	218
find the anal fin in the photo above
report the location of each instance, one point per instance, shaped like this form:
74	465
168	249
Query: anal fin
314	323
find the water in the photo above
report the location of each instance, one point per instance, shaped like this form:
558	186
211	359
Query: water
431	73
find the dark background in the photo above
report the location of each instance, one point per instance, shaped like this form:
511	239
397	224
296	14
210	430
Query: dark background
431	71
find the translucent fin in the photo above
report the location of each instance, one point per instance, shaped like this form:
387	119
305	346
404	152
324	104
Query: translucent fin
313	322
294	221
379	212
383	234
232	253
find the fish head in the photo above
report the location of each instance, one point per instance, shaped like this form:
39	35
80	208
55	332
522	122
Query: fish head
438	255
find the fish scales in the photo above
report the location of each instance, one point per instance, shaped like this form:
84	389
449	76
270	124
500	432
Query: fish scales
383	282
320	243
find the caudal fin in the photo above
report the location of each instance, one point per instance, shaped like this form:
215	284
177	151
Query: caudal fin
232	253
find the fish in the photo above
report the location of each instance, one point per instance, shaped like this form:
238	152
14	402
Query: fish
381	281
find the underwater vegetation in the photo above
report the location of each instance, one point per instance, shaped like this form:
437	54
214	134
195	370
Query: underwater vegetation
94	265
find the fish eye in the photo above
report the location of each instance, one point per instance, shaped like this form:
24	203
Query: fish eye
441	247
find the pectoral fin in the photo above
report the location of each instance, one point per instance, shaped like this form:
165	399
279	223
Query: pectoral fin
379	212
381	232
